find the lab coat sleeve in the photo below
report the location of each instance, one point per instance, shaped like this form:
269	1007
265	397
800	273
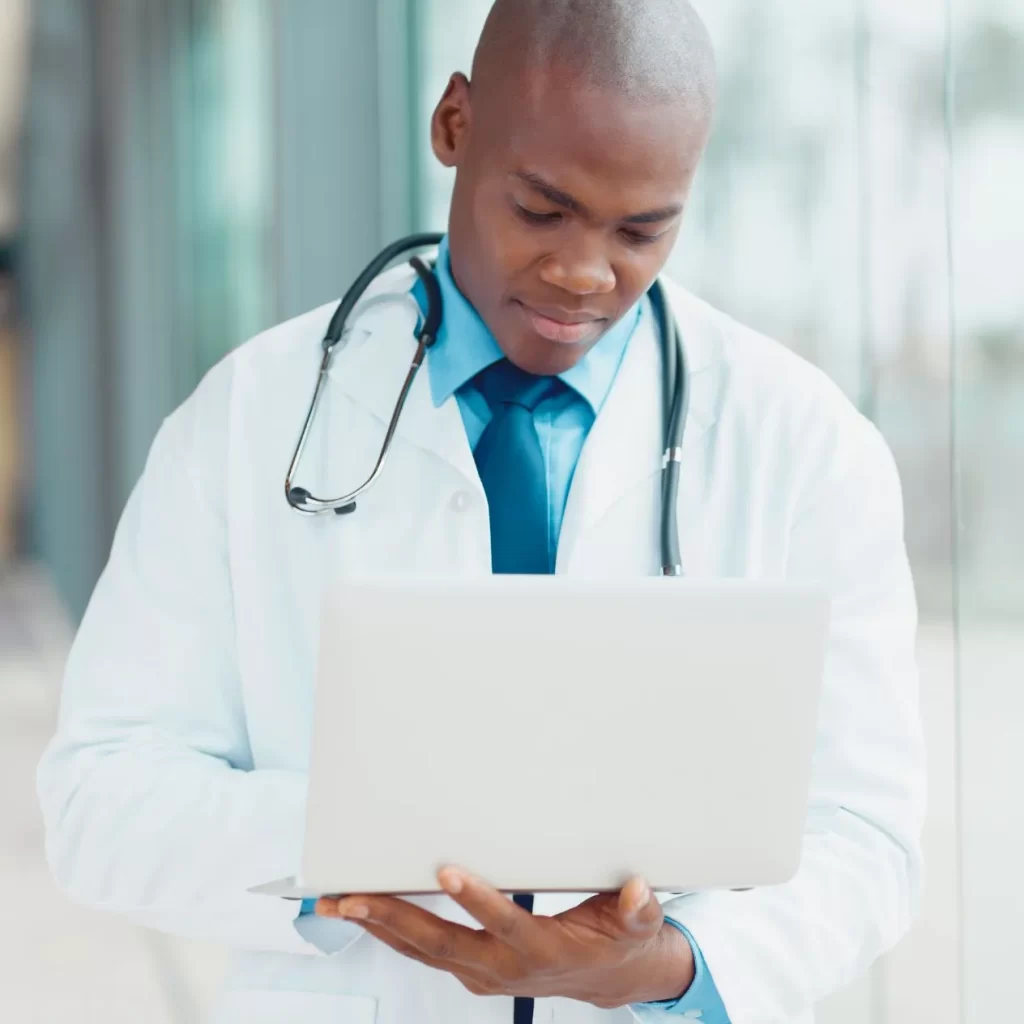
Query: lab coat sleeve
776	951
150	805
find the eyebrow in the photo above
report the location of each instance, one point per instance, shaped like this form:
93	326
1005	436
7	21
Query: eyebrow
568	202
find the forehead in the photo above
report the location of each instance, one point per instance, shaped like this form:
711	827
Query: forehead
615	153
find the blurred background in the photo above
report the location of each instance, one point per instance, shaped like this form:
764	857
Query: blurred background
176	175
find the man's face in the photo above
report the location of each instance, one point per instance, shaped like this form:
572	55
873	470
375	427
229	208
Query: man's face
566	206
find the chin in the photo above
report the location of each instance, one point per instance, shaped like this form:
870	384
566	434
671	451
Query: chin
542	357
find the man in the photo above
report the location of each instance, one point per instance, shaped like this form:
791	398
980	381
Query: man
176	779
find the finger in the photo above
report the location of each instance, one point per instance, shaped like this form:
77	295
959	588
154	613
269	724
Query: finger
476	982
408	950
496	912
327	906
639	913
439	939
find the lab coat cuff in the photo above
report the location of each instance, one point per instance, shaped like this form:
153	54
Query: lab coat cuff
327	935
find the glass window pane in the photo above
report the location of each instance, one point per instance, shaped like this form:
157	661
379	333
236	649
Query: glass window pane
449	30
988	228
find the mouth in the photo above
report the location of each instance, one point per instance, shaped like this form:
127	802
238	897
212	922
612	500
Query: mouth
561	326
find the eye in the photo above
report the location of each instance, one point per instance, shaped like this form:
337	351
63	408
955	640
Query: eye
638	237
532	217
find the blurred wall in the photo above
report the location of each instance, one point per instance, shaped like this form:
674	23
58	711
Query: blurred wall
62	298
987	236
196	170
13	61
14	15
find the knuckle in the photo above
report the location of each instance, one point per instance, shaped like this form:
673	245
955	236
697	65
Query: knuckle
414	954
441	949
478	987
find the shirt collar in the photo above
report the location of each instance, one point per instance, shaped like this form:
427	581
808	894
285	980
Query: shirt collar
465	346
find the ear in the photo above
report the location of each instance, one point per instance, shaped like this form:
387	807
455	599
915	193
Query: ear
449	127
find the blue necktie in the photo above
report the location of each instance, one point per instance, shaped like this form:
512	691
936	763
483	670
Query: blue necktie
511	465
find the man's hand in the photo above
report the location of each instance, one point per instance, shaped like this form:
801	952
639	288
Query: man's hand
610	951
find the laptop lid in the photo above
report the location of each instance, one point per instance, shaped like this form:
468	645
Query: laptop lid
559	734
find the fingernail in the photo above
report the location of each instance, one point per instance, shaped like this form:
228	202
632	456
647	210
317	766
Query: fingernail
451	881
355	911
643	899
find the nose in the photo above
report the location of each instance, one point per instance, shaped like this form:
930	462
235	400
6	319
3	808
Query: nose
581	266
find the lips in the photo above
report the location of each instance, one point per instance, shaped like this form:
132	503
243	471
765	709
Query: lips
562	326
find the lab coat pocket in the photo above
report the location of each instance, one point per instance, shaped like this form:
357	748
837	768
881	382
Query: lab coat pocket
256	1006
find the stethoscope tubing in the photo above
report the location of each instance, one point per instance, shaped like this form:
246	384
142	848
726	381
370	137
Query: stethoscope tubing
298	497
676	394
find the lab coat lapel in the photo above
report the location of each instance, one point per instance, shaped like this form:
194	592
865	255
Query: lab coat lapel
372	368
625	446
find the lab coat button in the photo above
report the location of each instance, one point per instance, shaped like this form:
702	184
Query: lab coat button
461	500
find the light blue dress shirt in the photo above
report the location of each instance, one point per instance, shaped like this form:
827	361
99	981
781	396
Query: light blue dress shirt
464	347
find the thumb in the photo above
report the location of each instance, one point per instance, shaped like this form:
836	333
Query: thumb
640	913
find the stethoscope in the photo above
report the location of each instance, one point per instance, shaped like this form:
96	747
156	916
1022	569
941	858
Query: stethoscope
676	393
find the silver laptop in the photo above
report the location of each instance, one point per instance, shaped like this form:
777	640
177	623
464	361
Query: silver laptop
558	734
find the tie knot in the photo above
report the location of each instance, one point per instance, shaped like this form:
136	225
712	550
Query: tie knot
503	383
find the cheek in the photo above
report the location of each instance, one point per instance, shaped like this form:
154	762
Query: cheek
510	247
638	271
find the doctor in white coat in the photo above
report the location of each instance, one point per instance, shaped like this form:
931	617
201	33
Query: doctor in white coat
176	779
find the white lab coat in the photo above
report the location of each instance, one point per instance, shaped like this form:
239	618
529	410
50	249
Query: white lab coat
176	778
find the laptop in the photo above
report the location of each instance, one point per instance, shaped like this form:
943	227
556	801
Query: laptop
558	734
